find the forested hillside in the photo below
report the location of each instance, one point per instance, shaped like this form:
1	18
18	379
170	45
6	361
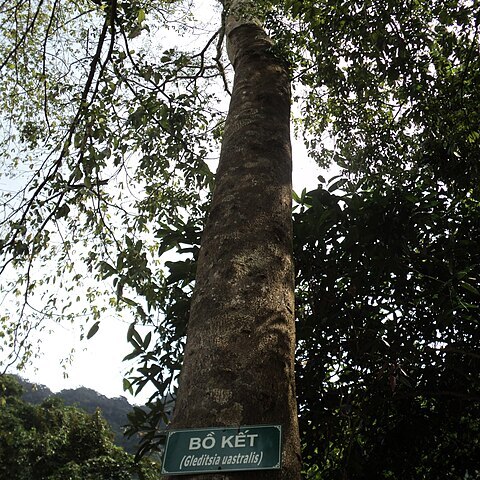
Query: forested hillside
52	441
114	410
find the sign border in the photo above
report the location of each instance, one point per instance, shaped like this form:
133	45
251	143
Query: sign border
238	428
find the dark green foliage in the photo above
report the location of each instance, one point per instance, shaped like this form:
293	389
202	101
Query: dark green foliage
386	77
388	331
387	254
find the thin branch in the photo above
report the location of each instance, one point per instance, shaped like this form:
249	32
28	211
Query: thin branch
68	139
44	66
218	58
24	36
13	7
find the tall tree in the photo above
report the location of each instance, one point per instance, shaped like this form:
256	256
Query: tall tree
253	306
239	357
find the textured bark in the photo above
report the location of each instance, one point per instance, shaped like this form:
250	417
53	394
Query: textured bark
238	366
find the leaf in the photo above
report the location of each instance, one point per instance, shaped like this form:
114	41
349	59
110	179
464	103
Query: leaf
129	301
133	336
411	198
131	355
62	212
127	386
106	269
470	288
93	330
141	16
147	340
135	32
180	271
337	185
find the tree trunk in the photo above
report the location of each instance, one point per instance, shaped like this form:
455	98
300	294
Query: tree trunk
239	359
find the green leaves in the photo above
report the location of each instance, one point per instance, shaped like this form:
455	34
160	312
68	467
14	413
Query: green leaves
337	184
104	147
382	78
387	295
93	330
141	15
470	288
133	337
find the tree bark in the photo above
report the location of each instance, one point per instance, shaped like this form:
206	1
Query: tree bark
239	359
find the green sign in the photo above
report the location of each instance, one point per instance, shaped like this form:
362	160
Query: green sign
209	450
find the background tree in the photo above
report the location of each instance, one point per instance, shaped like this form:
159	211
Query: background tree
73	76
386	254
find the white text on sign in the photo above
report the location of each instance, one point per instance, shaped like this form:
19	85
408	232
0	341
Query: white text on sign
241	440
